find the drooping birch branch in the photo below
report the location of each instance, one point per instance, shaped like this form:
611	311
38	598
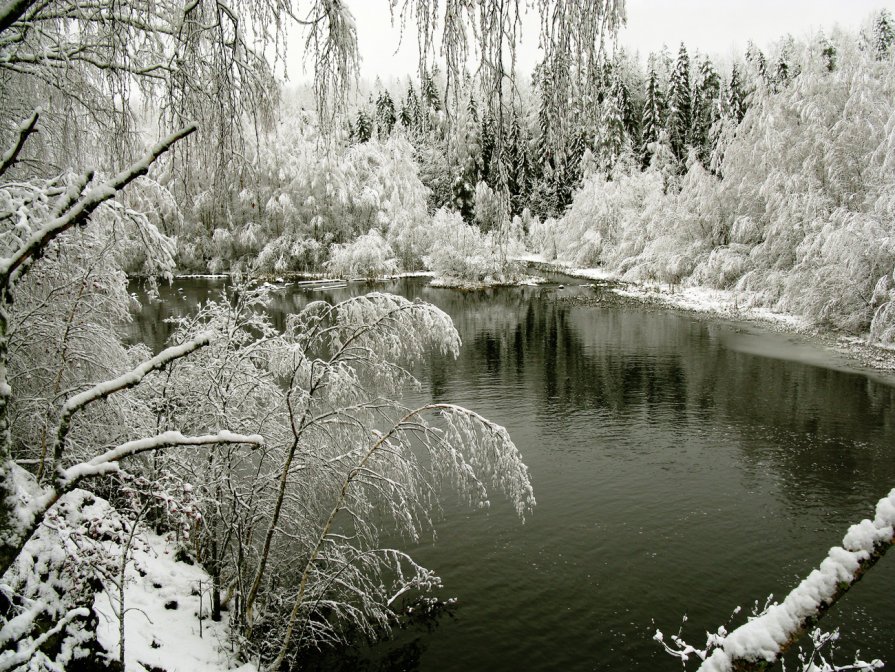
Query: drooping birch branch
85	205
122	382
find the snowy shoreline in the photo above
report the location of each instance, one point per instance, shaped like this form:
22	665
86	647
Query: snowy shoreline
859	355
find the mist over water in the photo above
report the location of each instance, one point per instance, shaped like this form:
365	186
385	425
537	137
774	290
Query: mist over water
681	465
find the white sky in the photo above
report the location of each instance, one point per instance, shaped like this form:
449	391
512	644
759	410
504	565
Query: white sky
720	28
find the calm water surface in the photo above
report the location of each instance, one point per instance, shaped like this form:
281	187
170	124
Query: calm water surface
681	466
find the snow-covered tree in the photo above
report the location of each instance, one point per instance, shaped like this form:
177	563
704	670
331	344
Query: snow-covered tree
385	114
883	35
736	95
706	109
653	113
680	106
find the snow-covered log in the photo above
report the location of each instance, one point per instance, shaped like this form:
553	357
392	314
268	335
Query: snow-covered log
762	641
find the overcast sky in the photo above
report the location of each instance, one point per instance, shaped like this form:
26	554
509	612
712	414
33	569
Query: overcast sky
720	28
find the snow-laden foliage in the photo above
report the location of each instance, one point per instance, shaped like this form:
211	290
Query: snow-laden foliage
307	199
369	256
343	461
797	213
462	255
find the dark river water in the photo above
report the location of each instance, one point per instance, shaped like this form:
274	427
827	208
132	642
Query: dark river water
682	466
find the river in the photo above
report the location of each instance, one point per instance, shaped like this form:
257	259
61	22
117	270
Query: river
682	466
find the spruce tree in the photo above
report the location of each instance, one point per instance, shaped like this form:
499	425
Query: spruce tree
429	94
385	114
468	167
736	96
653	119
883	35
755	56
363	127
706	109
410	110
828	53
516	156
680	106
612	133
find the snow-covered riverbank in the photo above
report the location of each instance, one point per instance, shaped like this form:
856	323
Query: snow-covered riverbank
729	305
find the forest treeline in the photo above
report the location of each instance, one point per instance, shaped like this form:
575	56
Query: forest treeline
768	176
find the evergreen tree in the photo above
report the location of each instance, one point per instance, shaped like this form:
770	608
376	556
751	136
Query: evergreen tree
757	58
706	109
385	114
468	168
828	53
410	110
653	119
430	95
612	134
883	35
518	169
622	93
736	96
786	68
363	127
680	106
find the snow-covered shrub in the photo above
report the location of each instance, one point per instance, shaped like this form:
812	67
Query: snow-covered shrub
322	393
462	254
486	208
837	268
723	267
542	237
317	199
370	256
609	219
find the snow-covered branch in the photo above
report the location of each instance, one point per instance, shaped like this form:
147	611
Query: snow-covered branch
107	462
25	130
122	382
12	11
763	640
84	207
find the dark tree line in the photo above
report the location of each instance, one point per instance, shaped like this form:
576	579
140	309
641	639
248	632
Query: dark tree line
675	106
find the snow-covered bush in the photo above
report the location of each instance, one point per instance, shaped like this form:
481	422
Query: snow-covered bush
370	257
317	392
461	254
316	199
542	237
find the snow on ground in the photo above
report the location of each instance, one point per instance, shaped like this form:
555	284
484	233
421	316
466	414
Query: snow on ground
538	260
697	299
715	301
162	627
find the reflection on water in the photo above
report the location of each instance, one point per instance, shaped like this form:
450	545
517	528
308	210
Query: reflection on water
680	466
